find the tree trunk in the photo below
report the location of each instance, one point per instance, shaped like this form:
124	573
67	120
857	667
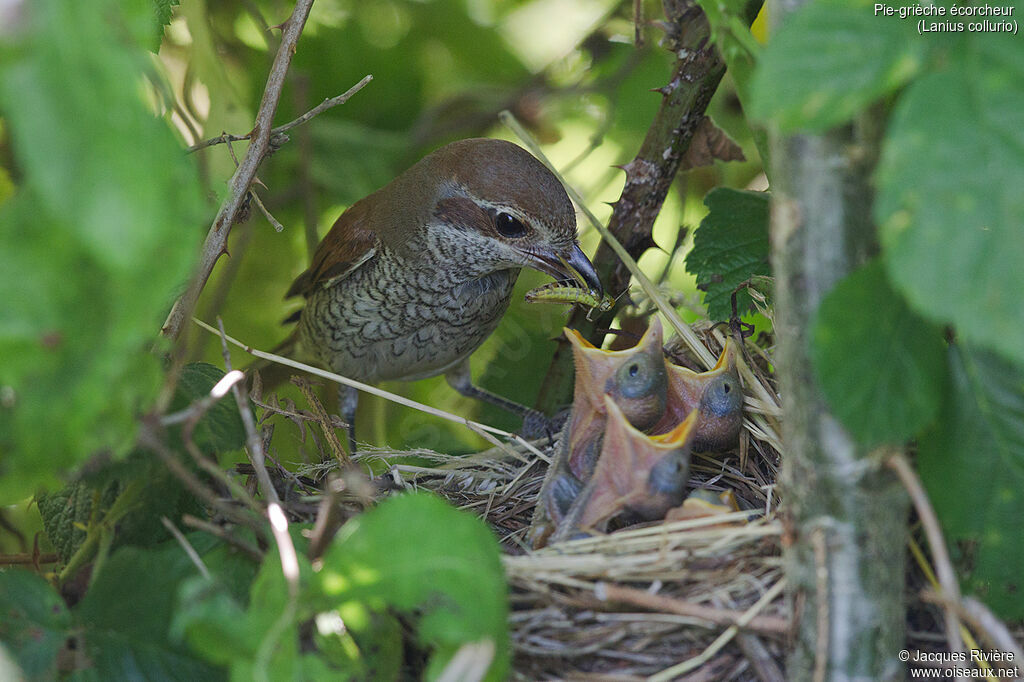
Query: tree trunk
846	515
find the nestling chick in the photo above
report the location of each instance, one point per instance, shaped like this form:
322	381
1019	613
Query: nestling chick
716	394
644	475
636	380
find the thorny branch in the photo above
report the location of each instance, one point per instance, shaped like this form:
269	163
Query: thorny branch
216	238
282	129
696	74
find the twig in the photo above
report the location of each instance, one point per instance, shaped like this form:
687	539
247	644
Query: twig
209	466
933	531
34	559
933	596
723	639
760	658
253	442
315	111
151	441
324	421
324	106
213	529
638	23
373	390
268	434
328	520
275	513
278	227
285	547
818	541
768	625
186	545
194	412
695	76
191	416
994	630
216	238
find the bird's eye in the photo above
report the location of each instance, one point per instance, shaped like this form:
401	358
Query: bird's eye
509	226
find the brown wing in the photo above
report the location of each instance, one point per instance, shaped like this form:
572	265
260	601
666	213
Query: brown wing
349	244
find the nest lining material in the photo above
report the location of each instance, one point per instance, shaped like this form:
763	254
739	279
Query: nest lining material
619	604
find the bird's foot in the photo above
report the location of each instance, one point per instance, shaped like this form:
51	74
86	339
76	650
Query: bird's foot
539	425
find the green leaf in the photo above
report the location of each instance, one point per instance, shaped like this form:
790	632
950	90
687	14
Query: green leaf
118	656
730	247
730	28
164	10
369	648
34	623
66	513
67	352
122	500
972	464
127	610
221	429
261	642
949	204
211	621
829	61
881	367
94	245
417	554
92	148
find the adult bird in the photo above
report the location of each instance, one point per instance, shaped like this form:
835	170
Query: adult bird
413	278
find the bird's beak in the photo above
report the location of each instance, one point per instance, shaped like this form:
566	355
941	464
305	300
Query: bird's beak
575	267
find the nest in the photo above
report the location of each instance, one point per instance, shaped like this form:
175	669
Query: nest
661	598
695	599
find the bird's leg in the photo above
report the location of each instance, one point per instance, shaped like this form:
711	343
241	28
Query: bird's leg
348	400
535	424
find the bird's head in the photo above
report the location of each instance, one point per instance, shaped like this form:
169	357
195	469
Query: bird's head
508	209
